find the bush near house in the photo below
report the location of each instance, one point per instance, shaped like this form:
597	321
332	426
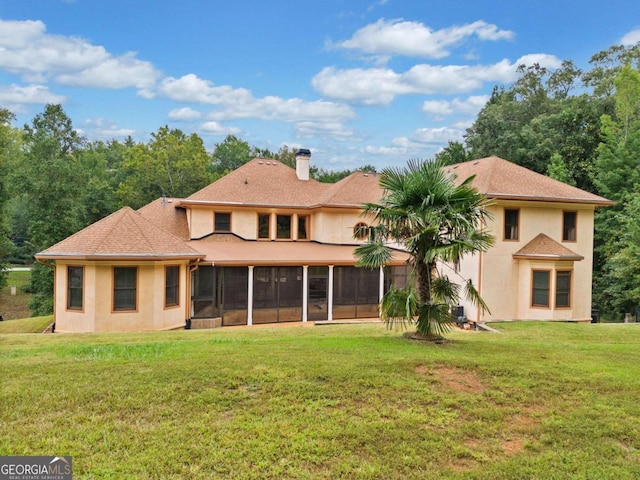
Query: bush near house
539	400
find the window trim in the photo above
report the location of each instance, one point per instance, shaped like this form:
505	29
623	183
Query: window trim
504	225
549	289
113	290
569	305
82	289
176	286
575	226
215	226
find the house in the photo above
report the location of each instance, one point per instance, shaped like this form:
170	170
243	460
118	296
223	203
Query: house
267	244
541	264
263	244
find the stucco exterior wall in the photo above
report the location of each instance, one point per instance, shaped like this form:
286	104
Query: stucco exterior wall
505	283
97	314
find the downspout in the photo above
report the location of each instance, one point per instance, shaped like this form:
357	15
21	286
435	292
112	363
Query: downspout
52	264
479	311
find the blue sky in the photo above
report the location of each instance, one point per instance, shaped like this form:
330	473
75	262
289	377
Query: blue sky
357	82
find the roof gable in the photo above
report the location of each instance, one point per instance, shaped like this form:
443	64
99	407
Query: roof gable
501	179
124	234
543	247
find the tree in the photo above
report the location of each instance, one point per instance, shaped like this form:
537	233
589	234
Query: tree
8	149
454	152
436	220
171	164
230	154
558	170
54	181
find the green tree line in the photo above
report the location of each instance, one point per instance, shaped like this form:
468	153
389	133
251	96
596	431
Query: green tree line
53	182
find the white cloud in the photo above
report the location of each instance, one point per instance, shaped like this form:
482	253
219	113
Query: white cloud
308	117
414	39
36	94
443	108
27	50
215	128
378	86
184	114
631	38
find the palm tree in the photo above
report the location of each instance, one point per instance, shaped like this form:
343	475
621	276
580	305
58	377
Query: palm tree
438	221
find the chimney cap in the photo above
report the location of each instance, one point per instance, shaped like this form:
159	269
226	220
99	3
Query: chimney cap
305	152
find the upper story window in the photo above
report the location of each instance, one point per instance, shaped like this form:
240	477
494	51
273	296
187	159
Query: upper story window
569	226
75	286
511	224
264	220
283	227
303	227
172	286
125	283
222	222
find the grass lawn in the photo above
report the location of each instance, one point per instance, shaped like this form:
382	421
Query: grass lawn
538	401
15	306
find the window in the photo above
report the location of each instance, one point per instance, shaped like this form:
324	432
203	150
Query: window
263	225
511	218
540	290
125	280
569	222
303	227
75	284
172	286
283	226
563	289
222	222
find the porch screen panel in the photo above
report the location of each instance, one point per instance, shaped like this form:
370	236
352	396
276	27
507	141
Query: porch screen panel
345	281
368	292
277	294
265	295
289	280
204	293
235	295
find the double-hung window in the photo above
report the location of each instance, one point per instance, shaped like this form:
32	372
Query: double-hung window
75	286
125	283
511	224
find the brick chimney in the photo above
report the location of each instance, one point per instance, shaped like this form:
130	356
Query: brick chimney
303	156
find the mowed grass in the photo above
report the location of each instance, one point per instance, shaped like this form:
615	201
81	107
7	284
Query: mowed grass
537	401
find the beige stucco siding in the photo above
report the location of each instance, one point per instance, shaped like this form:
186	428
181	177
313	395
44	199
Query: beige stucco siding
98	315
505	282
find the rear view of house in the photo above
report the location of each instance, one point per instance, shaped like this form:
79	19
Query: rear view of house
264	244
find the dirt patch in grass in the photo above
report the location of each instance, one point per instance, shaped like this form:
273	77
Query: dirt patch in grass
454	378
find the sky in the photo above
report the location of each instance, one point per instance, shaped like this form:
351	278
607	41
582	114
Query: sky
362	82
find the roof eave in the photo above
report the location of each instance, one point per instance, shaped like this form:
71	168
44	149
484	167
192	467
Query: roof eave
117	257
532	198
546	256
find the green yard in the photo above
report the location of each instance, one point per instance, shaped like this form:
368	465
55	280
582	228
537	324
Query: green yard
538	400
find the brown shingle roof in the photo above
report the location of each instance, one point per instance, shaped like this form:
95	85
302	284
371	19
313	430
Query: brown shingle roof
261	182
501	179
545	248
164	214
266	182
124	234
